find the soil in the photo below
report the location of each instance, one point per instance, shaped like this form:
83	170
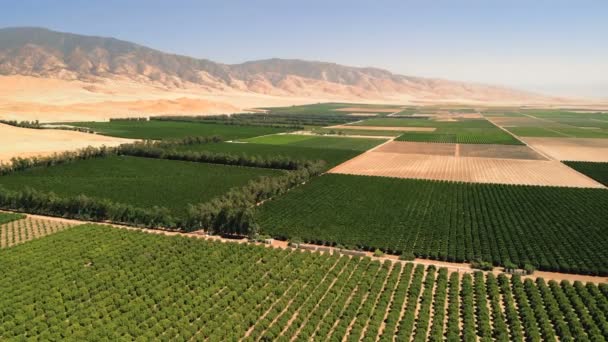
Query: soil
473	170
574	149
26	142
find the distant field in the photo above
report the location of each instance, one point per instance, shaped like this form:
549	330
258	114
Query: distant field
547	123
333	156
102	283
8	217
340	143
330	108
355	131
172	129
142	182
597	171
559	229
463	131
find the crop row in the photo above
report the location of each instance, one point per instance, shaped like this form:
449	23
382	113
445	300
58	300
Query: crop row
103	283
20	231
551	228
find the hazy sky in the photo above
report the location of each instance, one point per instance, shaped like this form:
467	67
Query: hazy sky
558	47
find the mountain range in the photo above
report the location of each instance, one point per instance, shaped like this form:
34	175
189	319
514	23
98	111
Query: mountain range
98	69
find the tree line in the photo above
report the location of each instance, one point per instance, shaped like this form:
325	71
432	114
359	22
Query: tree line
228	214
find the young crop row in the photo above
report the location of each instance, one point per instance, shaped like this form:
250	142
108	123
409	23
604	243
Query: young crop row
103	283
23	230
557	229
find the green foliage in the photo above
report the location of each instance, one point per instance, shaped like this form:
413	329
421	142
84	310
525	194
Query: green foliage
378	253
9	217
140	182
482	265
449	221
331	156
597	171
141	286
338	143
155	129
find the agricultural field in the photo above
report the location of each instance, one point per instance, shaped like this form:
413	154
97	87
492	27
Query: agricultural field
139	286
556	123
464	131
142	182
333	108
463	168
27	228
559	229
332	156
311	141
8	217
597	171
157	129
462	150
573	149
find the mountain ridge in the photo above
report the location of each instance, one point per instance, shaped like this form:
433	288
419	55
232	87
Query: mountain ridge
40	52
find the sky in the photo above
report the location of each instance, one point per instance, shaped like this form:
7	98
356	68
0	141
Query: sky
554	47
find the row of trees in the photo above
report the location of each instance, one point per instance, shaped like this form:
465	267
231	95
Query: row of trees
156	151
229	214
23	124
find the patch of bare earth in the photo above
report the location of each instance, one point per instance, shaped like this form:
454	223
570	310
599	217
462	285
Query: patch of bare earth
576	149
472	170
408	147
462	150
26	142
385	128
499	151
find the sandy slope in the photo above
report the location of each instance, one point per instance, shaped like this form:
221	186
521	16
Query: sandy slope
54	99
24	142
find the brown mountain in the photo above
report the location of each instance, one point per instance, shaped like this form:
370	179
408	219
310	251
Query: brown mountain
56	71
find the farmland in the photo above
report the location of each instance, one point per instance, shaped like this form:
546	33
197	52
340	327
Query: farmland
156	129
339	143
142	182
464	131
557	229
8	217
597	171
333	156
26	229
149	287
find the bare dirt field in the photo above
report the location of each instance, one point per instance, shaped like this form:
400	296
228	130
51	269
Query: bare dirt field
407	147
383	128
472	170
368	110
25	142
575	149
499	151
462	150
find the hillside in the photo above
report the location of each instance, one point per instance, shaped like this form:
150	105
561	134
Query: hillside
44	71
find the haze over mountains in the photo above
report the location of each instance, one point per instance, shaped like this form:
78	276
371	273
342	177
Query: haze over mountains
44	71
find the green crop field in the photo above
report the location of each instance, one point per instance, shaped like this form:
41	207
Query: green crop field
464	131
362	132
8	217
561	229
597	171
156	129
142	182
92	283
339	143
332	156
323	108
